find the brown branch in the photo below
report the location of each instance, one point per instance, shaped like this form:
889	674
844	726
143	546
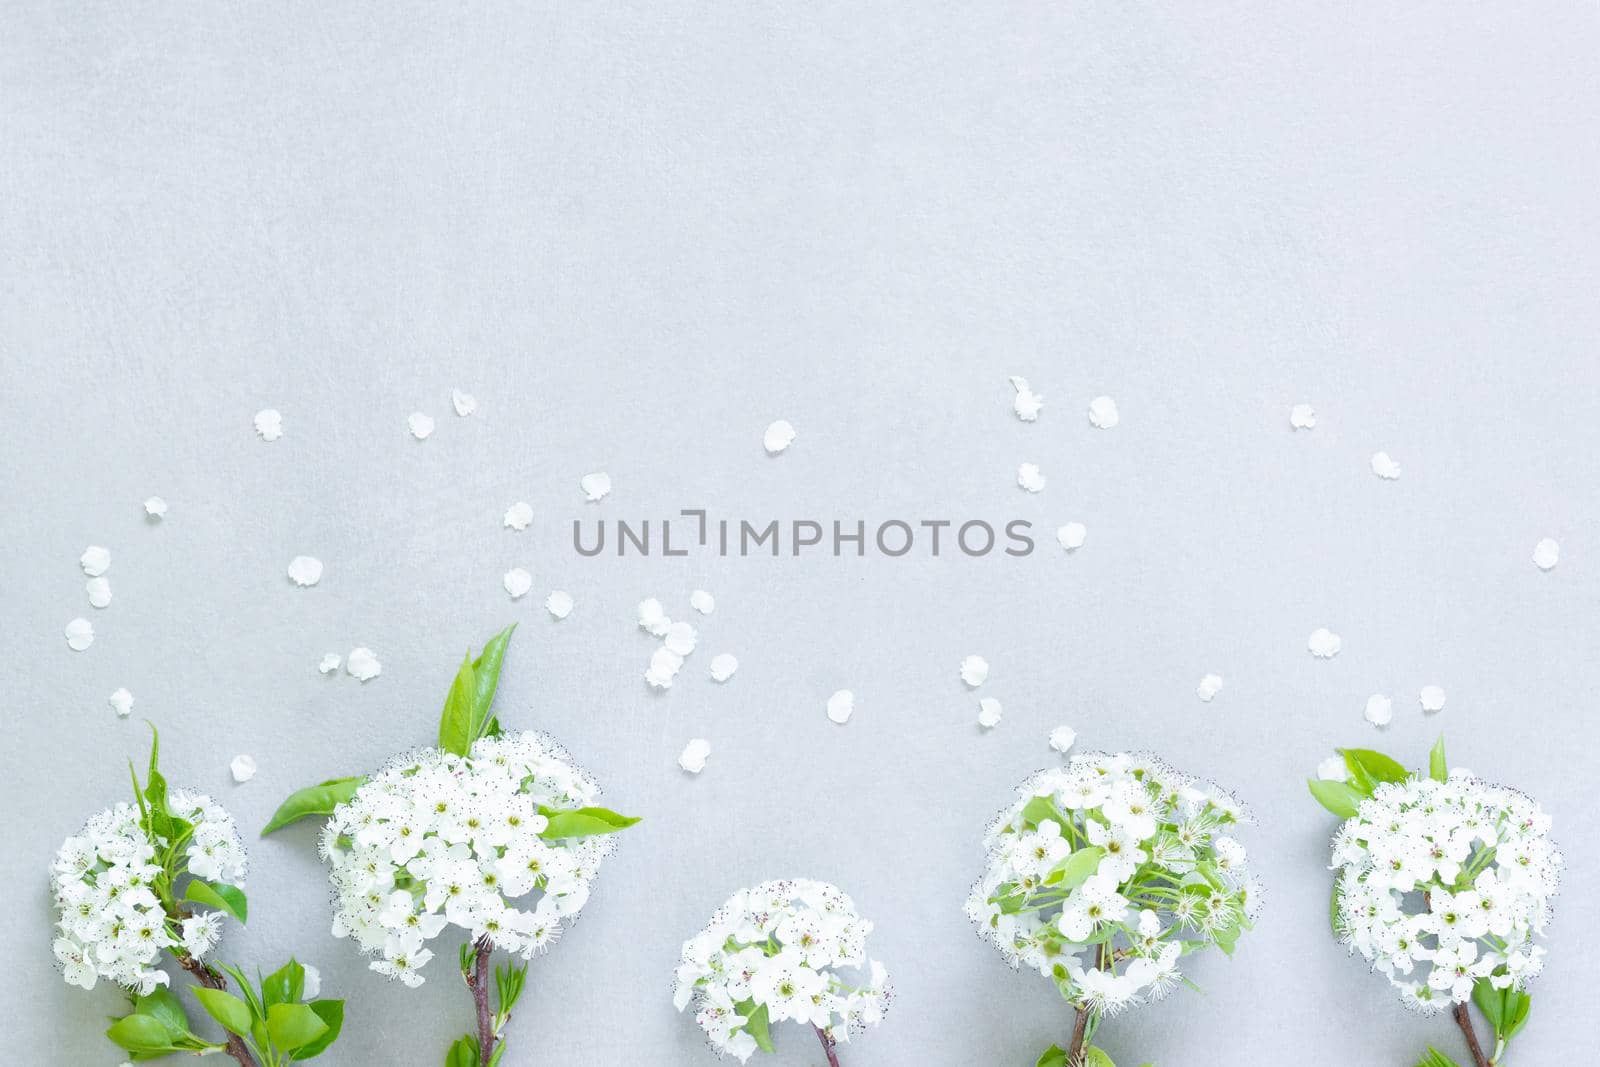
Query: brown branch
827	1046
1464	1020
1079	1029
207	976
479	983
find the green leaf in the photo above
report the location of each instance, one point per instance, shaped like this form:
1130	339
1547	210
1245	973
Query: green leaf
1338	797
464	1053
1490	1002
1374	764
1073	871
164	1006
144	1033
247	990
331	1012
1096	1057
292	1025
286	985
155	789
1435	1058
486	671
313	800
583	822
1438	769
219	895
1054	1056
755	1024
459	724
1041	810
231	1012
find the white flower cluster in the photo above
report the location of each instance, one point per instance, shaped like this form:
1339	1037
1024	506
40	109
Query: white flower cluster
770	954
438	840
1443	883
104	881
1103	873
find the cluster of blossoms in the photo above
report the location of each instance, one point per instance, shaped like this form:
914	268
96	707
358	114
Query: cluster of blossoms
1443	883
1105	872
438	840
107	885
770	954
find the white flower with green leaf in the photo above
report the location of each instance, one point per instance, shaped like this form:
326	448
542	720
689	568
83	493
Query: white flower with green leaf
775	953
1103	875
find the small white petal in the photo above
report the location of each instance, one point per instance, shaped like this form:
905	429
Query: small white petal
693	757
305	570
518	516
1432	698
779	436
80	634
362	665
1546	554
974	670
664	667
841	706
595	485
464	403
155	507
329	663
1209	687
420	425
1027	402
1071	536
243	768
652	619
95	561
1333	769
1380	710
122	702
1063	738
681	638
99	590
1384	466
702	601
1103	412
313	982
517	582
989	713
1303	417
1323	643
269	424
722	667
1029	478
559	604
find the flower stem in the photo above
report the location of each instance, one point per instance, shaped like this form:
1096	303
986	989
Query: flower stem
827	1046
479	982
1464	1021
206	976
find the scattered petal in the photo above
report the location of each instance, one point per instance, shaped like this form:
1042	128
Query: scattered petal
1027	402
841	706
269	424
664	667
1333	769
420	425
517	582
559	604
974	670
1103	412
1071	536
122	702
652	619
1062	738
99	590
722	667
680	639
595	485
305	570
1209	687
313	983
779	436
518	516
330	663
1029	478
1324	643
1546	554
155	507
988	713
95	561
1303	417
693	757
1385	467
1380	710
362	665
1432	698
80	634
702	601
243	768
464	403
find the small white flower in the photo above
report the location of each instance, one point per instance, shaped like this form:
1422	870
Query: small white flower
269	424
702	601
989	713
305	570
595	486
464	403
1103	412
1062	738
95	561
99	591
722	667
841	706
362	665
559	604
693	757
330	663
1029	478
155	507
122	702
517	582
1546	554
779	436
243	768
1385	467
1324	643
1432	698
974	671
1027	402
80	634
1303	417
420	425
518	516
1072	535
1209	687
1380	710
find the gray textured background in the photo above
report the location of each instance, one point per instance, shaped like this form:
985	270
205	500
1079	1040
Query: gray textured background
637	236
